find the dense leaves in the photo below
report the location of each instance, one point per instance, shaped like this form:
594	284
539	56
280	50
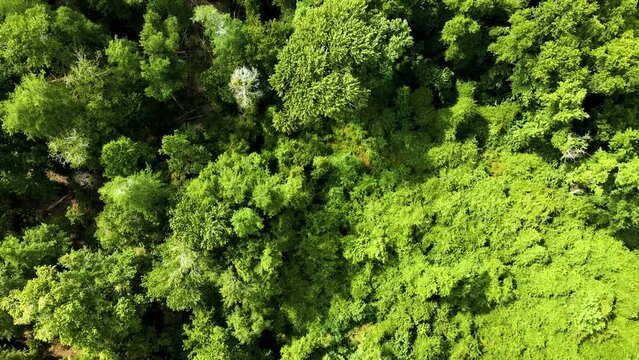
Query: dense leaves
319	179
336	50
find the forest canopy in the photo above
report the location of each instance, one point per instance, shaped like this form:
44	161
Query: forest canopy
319	179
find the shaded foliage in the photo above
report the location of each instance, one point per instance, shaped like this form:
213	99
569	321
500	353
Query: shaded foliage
334	179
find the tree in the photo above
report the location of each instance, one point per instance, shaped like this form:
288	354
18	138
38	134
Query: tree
561	52
123	156
39	108
41	39
185	158
226	39
56	111
162	69
336	50
218	249
245	87
15	6
41	245
134	210
91	304
334	179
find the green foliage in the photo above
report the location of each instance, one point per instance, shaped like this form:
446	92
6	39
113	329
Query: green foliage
182	278
112	9
41	38
222	31
471	277
70	148
38	246
24	34
185	159
563	51
41	245
206	340
460	33
123	55
212	249
263	43
38	108
91	303
467	33
56	111
122	157
162	69
18	159
320	179
134	210
201	220
142	192
226	39
336	50
246	222
15	6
